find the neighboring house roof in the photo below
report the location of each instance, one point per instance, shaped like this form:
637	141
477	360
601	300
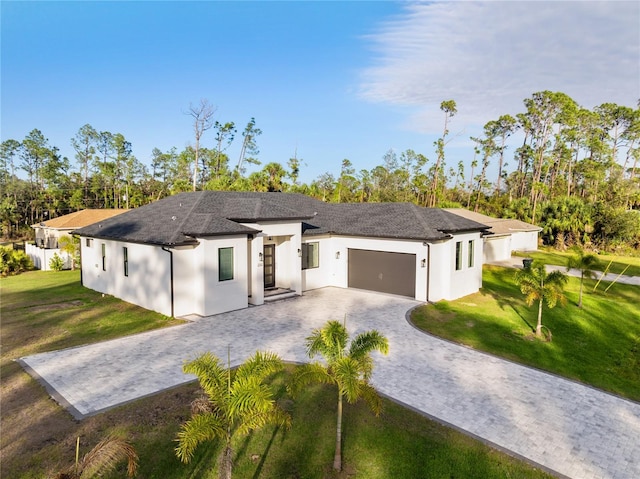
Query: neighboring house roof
498	226
179	219
79	219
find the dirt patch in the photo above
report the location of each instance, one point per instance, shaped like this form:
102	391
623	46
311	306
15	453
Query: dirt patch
38	436
55	306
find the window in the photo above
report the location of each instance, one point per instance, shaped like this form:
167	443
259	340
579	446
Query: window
471	252
225	264
125	257
88	242
310	255
458	255
104	257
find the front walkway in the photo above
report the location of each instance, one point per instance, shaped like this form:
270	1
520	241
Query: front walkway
573	430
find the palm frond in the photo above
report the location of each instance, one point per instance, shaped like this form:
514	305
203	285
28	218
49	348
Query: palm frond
307	374
249	395
200	428
366	343
274	416
329	341
106	455
261	365
211	374
348	377
371	397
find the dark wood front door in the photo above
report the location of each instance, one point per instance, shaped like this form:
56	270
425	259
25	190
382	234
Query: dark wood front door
269	266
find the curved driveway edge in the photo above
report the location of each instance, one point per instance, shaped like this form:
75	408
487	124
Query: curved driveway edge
571	429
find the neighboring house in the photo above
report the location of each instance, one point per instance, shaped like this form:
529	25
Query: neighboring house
209	252
47	234
505	235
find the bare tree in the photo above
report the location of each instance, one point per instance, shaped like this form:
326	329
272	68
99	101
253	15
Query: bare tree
202	115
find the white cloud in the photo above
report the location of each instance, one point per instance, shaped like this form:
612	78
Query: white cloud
490	56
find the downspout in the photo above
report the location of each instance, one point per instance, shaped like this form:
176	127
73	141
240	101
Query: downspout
428	268
164	248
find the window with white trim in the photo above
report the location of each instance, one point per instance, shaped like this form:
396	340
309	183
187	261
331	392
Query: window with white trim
125	258
471	253
104	257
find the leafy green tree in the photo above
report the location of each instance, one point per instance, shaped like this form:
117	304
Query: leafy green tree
585	262
449	108
348	366
71	246
102	459
538	285
234	402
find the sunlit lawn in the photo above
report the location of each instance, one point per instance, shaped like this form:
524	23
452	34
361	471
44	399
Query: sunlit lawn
598	345
616	264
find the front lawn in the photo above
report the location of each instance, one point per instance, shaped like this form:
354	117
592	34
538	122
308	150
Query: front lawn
597	345
49	310
629	264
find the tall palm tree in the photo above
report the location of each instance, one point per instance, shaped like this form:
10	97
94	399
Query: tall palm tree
234	402
585	263
348	368
102	459
538	285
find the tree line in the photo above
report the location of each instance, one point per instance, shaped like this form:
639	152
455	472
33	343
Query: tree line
574	171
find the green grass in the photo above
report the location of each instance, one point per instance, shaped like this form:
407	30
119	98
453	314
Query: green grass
597	345
629	264
49	310
398	444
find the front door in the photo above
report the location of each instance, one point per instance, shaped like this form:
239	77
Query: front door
269	266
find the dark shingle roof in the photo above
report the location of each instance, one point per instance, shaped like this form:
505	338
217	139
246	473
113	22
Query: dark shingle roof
181	218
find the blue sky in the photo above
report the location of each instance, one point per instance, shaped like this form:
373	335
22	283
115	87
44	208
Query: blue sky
330	80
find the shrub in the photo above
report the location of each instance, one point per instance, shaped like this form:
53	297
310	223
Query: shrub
56	263
13	261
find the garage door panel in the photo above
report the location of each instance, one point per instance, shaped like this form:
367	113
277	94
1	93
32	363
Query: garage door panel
382	271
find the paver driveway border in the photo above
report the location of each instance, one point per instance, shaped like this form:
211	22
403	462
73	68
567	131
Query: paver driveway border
565	427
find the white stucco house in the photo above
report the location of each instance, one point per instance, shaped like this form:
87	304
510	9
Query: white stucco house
504	236
47	234
209	252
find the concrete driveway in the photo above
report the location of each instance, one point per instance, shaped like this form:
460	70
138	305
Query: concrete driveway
569	429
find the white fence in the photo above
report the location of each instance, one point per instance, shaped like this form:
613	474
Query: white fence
42	256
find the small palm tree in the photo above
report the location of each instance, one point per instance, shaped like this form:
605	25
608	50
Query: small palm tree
234	401
350	369
538	285
102	459
71	246
585	262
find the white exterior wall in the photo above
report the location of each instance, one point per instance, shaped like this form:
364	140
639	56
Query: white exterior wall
468	279
213	296
497	248
148	283
524	241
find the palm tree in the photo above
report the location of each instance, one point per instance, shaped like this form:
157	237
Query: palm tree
585	263
102	459
350	369
538	285
234	401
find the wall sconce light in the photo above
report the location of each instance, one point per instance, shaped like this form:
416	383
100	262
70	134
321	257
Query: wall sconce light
299	253
259	256
423	263
337	254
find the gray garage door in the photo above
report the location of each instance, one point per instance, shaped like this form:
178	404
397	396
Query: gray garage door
383	271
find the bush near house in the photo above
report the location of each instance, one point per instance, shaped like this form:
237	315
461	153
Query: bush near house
13	261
